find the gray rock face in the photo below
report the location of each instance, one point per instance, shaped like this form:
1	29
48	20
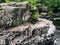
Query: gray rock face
40	33
13	13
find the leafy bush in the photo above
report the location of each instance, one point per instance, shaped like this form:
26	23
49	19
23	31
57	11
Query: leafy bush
35	16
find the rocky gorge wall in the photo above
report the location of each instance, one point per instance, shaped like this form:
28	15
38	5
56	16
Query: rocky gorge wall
40	33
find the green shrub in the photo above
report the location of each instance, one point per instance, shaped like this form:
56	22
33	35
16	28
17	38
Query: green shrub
35	16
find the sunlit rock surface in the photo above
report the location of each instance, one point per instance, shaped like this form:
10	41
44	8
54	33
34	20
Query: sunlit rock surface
13	12
40	33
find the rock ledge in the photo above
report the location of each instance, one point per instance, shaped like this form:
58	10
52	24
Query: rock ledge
40	33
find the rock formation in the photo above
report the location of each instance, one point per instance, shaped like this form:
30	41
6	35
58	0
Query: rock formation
40	33
13	12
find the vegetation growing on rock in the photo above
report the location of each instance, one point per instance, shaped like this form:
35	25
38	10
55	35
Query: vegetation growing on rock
52	5
37	7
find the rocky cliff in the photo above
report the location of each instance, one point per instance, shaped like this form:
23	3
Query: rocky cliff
40	33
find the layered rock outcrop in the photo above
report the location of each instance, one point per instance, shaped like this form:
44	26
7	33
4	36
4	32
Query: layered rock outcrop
13	13
40	33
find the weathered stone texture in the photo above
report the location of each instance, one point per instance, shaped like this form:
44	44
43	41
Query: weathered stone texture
33	34
13	14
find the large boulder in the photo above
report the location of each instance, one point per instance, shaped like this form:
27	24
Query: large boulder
13	13
40	33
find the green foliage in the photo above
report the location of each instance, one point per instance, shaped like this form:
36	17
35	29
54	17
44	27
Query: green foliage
52	4
34	3
12	1
35	16
7	0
